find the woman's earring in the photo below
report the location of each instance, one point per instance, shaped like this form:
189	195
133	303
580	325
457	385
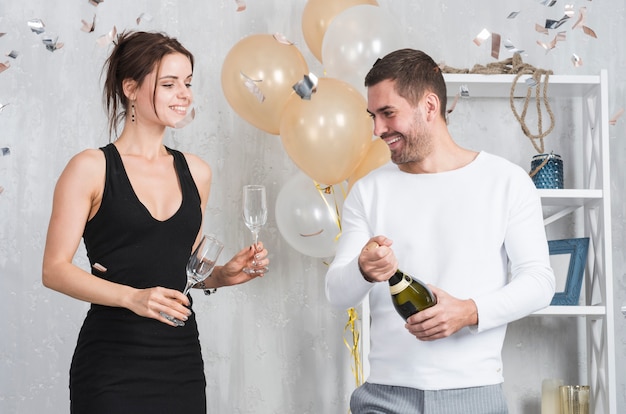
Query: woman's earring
132	112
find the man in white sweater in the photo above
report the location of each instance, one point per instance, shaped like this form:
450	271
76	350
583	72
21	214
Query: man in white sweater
469	224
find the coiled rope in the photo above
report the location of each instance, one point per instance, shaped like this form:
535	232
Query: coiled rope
515	65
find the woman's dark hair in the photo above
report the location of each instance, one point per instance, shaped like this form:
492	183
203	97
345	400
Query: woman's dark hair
414	73
134	56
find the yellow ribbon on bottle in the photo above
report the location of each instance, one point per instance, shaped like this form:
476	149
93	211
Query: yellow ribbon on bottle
351	327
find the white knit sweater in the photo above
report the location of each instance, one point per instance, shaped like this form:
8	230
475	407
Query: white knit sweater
463	231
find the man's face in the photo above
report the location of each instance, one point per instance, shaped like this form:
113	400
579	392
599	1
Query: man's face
401	125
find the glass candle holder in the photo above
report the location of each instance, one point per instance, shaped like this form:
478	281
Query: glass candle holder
574	399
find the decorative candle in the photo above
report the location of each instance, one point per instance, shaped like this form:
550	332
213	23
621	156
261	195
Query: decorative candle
550	399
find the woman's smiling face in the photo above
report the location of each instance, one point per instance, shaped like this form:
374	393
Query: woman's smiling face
165	94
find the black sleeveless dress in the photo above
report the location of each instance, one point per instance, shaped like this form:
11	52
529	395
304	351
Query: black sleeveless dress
125	363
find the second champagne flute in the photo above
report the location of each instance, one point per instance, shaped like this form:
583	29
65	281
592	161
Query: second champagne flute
199	266
254	211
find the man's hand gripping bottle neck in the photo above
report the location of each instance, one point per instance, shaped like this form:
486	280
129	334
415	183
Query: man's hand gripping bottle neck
408	294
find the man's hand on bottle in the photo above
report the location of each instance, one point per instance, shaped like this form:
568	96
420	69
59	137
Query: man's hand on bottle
447	317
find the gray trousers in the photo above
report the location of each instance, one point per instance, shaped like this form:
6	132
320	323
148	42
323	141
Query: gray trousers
388	399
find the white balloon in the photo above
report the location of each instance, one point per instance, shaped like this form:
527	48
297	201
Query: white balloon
307	218
355	38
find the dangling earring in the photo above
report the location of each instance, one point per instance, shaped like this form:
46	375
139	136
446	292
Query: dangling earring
132	112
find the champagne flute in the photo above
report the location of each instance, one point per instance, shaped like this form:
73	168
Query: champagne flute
254	212
199	266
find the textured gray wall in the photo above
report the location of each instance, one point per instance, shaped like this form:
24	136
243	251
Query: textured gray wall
274	345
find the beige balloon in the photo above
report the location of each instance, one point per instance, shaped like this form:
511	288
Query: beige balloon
317	16
258	75
328	135
377	155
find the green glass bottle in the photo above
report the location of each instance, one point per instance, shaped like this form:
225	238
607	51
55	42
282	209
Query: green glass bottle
409	295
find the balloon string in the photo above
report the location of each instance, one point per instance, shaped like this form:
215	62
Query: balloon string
330	190
356	366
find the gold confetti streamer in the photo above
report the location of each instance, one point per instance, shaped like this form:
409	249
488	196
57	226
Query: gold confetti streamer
331	190
95	2
357	367
241	5
4	66
317	233
576	60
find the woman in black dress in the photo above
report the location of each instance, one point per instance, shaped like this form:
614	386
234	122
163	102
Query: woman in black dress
139	207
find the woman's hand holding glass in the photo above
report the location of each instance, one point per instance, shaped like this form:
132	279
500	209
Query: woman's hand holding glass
254	212
199	267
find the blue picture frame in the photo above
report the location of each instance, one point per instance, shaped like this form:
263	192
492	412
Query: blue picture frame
578	249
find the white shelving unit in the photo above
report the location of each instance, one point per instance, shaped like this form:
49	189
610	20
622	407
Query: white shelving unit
593	199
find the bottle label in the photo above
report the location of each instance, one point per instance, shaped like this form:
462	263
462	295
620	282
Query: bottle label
400	286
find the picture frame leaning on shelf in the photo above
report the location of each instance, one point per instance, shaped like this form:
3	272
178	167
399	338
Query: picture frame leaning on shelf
577	250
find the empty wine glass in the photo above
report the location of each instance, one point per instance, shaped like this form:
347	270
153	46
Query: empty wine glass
199	266
254	212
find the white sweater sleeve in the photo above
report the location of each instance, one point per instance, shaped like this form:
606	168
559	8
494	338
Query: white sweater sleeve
532	283
345	286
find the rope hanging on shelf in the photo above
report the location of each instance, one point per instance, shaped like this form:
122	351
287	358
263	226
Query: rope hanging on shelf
515	65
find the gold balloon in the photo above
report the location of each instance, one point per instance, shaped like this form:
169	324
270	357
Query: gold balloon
377	155
258	75
317	16
328	135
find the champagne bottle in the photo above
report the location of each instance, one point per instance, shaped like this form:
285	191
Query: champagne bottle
408	294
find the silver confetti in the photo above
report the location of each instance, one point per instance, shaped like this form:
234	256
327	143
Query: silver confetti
37	26
51	43
306	87
464	91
